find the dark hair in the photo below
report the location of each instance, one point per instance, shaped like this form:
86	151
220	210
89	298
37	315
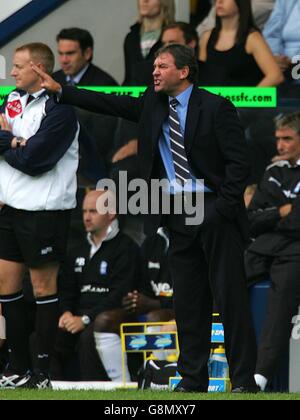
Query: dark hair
84	37
184	56
189	32
246	24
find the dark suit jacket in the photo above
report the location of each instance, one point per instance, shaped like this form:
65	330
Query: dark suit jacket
215	142
94	76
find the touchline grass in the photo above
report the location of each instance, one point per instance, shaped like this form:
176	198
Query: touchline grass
120	395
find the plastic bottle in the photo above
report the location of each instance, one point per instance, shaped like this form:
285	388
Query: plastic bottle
218	365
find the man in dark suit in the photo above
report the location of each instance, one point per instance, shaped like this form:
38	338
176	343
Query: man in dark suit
75	54
207	142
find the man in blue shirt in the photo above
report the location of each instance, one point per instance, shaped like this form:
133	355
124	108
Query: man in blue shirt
189	134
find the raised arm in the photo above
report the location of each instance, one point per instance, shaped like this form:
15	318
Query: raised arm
117	106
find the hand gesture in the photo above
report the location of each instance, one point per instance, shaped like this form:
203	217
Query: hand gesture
46	81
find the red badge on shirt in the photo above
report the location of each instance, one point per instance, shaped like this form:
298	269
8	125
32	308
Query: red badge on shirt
14	108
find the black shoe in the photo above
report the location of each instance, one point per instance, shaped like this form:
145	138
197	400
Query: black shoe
183	390
246	390
37	381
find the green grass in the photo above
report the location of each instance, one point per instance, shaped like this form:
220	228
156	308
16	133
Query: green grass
14	395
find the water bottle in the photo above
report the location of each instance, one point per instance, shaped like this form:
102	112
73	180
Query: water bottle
218	366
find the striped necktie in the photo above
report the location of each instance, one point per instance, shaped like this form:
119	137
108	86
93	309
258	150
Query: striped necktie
182	170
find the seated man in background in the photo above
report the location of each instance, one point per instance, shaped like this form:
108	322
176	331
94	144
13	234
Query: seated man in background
75	55
75	52
98	275
183	34
274	215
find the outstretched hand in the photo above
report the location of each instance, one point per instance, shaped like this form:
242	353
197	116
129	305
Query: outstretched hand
46	80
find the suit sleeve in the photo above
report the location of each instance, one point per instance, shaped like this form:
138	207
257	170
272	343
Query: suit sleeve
117	106
47	147
232	142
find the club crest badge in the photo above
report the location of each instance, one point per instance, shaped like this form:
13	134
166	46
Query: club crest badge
14	108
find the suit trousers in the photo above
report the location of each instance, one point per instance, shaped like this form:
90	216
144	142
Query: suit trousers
208	266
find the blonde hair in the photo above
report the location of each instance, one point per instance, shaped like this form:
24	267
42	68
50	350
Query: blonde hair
40	52
168	11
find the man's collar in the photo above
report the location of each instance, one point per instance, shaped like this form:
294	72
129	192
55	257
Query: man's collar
184	97
112	232
288	163
76	79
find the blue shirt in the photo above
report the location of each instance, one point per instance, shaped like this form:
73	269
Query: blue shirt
165	147
282	29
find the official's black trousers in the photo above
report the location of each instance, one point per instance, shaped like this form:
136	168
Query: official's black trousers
283	305
206	267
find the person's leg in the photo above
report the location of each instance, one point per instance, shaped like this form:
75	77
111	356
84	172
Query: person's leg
64	350
91	367
42	236
16	316
44	283
283	305
108	344
11	294
193	310
224	250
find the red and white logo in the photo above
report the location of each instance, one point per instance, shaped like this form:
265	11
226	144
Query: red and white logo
14	108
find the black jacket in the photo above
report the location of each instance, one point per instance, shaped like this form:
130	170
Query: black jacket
138	70
275	235
91	286
215	144
94	76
